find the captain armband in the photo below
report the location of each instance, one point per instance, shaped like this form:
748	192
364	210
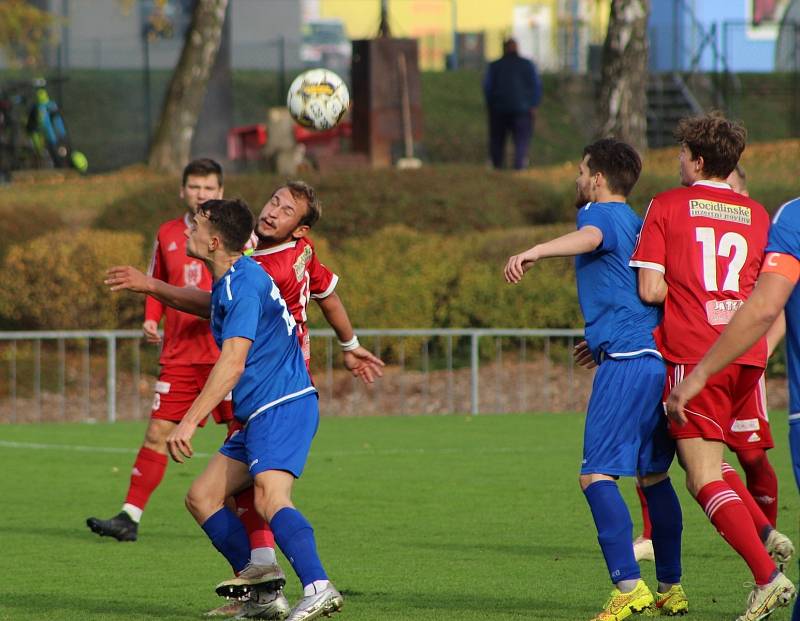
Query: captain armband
783	264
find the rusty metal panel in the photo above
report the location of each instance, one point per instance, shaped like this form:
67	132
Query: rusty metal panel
377	96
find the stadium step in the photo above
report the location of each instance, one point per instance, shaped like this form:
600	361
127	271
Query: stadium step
669	99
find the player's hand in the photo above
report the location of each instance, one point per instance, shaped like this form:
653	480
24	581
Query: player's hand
517	265
122	277
150	330
363	364
583	356
680	396
179	441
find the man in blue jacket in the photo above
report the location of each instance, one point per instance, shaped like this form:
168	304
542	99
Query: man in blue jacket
513	91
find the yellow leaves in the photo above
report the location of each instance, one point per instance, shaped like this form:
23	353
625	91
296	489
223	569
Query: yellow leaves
24	31
56	281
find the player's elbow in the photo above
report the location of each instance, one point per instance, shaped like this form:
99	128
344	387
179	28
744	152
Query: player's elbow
652	287
767	314
651	294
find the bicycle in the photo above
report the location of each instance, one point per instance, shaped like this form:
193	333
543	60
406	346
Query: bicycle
33	133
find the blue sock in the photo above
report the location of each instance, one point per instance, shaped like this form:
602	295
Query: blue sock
295	538
228	535
794	446
667	520
614	530
796	610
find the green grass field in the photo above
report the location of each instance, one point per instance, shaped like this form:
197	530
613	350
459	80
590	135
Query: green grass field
416	518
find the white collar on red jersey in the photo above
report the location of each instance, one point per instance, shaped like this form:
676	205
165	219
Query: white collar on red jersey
281	248
187	220
713	184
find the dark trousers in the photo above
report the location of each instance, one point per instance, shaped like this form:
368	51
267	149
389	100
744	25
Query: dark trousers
520	125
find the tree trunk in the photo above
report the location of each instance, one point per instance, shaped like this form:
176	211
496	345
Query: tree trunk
623	90
184	100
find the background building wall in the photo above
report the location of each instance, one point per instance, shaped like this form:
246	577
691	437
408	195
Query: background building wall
544	27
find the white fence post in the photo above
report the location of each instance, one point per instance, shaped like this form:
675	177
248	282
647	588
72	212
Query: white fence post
111	378
473	368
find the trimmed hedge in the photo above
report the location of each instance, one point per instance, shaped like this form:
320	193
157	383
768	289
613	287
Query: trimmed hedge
446	200
19	225
400	278
56	282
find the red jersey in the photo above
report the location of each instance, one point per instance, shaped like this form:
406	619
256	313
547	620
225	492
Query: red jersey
300	276
187	338
708	241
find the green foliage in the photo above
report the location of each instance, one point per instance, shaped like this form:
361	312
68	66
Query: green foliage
24	31
455	120
400	278
56	281
19	225
546	297
442	199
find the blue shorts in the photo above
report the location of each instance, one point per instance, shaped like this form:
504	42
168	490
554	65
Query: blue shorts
277	439
626	428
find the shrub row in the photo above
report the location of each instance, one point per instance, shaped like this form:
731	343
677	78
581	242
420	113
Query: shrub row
394	278
400	278
446	200
56	282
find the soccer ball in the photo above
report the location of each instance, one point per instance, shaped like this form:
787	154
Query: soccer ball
318	99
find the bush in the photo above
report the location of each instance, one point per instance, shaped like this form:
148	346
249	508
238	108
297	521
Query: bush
56	282
18	225
447	199
400	278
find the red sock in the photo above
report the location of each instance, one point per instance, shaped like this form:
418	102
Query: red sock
257	528
148	470
761	481
735	482
730	517
647	527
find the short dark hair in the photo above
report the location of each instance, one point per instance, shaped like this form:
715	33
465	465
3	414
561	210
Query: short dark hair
232	219
718	140
300	189
618	161
204	167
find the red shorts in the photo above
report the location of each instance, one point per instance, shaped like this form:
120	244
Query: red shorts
712	413
750	427
177	388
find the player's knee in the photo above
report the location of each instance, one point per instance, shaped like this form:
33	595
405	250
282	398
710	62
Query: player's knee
647	480
752	460
201	502
155	438
694	483
269	502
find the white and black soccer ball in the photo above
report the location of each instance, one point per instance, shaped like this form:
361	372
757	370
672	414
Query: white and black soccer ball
318	99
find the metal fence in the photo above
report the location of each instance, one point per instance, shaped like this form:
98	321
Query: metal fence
109	375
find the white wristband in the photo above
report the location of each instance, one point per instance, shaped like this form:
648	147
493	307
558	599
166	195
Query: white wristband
350	345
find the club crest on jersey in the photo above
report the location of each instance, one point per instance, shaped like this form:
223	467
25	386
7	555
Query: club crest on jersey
701	208
300	265
192	274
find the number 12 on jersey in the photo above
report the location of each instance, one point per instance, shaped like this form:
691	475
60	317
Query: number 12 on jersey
731	245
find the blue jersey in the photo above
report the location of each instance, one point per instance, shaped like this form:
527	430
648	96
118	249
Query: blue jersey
246	303
618	323
784	237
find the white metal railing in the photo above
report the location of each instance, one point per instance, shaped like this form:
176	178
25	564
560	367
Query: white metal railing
461	356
